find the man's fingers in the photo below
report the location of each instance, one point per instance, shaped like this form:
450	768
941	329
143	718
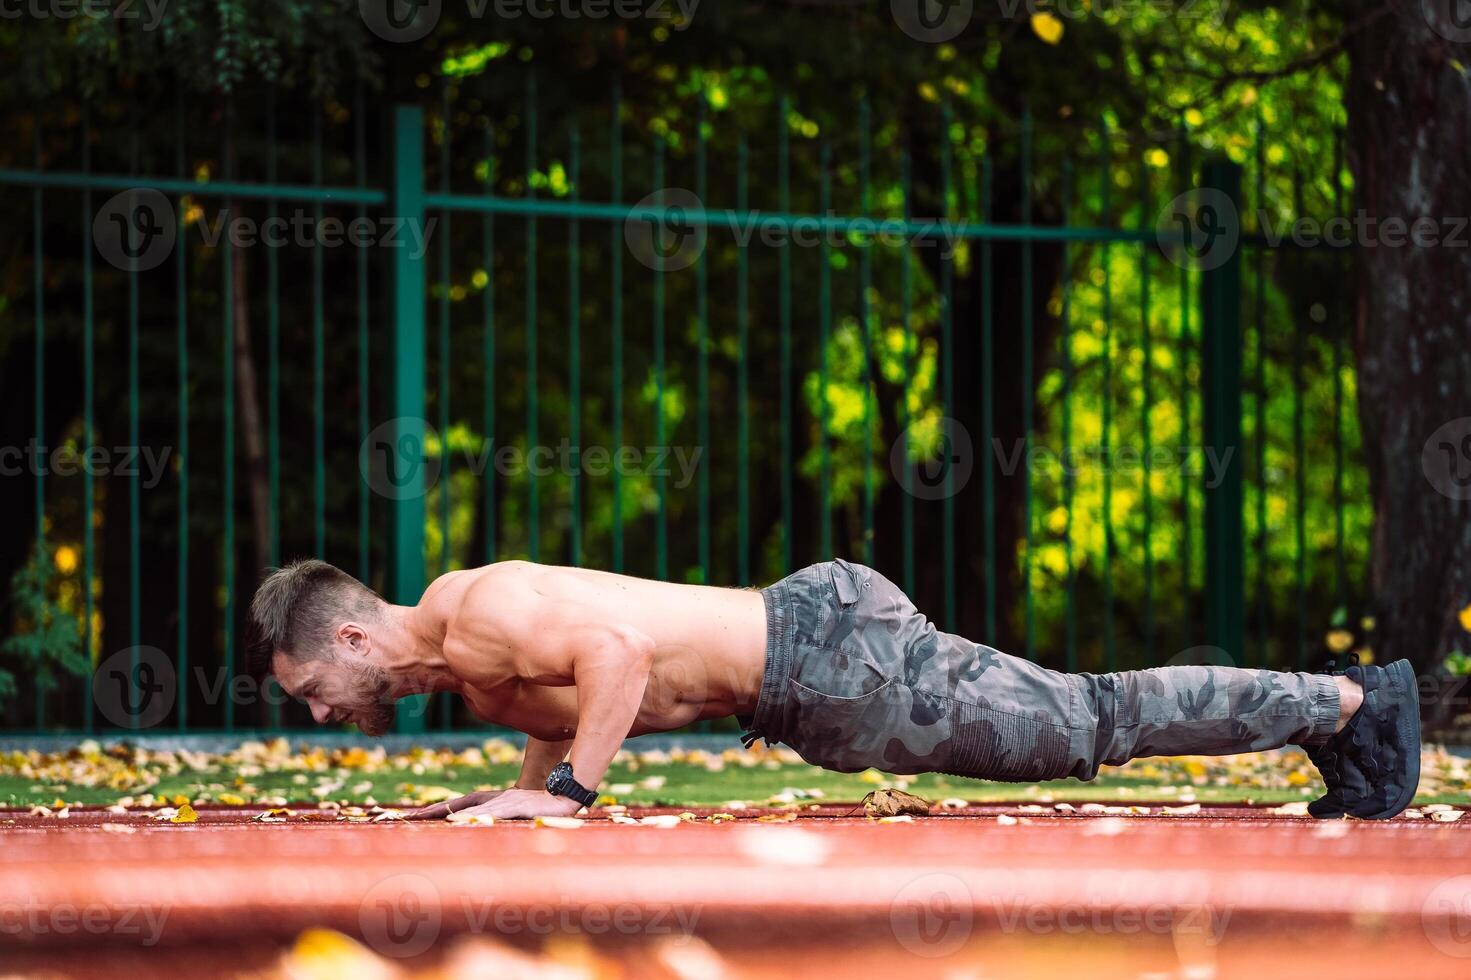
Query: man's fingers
438	811
435	811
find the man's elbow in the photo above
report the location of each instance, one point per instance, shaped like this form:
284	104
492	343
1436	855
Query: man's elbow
634	646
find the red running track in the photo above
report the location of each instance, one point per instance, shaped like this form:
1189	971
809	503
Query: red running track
1228	891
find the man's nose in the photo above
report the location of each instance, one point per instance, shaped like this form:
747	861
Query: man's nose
321	712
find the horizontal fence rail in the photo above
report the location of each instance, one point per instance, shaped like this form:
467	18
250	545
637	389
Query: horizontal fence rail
965	421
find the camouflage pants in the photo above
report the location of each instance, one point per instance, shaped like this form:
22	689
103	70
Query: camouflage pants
856	677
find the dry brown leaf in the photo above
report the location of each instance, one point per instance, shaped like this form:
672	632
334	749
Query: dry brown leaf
893	803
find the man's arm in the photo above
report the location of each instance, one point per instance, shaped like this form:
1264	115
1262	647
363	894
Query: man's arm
537	763
558	641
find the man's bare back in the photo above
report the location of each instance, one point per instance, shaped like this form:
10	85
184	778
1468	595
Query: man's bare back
709	643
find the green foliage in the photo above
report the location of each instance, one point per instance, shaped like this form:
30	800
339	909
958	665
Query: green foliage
45	638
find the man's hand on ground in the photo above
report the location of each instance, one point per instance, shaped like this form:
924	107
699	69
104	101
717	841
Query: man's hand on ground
438	811
522	803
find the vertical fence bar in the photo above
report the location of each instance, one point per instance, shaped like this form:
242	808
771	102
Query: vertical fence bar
1145	415
1105	187
445	455
988	402
743	377
1069	478
615	314
446	705
1028	395
1299	448
273	343
360	169
947	377
661	486
487	359
89	431
1220	290
1335	337
533	483
1187	562
227	443
1259	282
824	341
702	301
38	246
574	345
906	516
135	485
38	262
181	317
407	283
319	353
784	290
865	283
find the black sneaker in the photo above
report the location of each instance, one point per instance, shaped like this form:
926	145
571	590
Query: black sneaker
1344	783
1372	766
1385	741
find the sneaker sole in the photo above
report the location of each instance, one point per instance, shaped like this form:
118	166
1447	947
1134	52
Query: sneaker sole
1408	725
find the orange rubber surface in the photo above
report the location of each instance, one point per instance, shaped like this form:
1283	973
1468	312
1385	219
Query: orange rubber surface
1228	891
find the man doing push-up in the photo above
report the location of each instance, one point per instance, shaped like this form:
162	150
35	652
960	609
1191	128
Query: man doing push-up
834	661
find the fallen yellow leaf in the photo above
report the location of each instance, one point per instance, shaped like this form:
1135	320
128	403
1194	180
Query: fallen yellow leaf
186	814
894	802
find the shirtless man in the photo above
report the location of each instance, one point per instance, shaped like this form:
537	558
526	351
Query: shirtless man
833	660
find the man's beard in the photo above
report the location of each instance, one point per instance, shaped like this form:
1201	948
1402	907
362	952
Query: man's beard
373	711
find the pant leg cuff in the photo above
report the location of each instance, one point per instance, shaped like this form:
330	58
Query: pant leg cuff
1323	708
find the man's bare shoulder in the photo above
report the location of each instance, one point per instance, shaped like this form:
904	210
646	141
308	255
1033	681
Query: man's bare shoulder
491	596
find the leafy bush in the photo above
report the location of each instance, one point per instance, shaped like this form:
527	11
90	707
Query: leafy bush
45	638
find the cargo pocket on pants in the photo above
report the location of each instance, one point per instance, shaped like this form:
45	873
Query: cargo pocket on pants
842	734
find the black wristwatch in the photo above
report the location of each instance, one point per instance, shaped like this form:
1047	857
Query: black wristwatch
561	783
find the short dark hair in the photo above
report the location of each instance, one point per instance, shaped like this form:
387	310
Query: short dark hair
297	607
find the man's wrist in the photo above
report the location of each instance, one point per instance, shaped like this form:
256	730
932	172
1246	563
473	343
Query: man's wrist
562	781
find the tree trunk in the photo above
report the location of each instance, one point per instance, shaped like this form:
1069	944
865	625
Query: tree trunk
1409	107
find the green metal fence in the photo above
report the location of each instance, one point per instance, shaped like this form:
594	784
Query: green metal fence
785	411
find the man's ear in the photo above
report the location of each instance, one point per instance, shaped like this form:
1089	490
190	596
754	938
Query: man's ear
355	638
